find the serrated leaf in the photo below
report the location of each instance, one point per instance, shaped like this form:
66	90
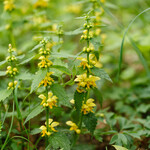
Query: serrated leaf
20	56
26	60
98	95
90	122
101	73
119	147
59	141
62	68
25	76
35	47
75	32
3	62
38	77
36	111
2	73
60	92
4	94
79	98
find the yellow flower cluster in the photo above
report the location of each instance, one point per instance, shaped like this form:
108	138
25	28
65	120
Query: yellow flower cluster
11	71
41	4
8	5
73	127
92	62
45	62
48	131
51	101
85	83
47	80
45	52
12	85
88	106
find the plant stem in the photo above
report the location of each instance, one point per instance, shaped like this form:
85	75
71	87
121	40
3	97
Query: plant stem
11	124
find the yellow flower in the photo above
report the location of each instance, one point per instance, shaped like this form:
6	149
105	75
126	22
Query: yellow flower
74	9
11	71
47	80
41	4
12	85
84	63
44	131
86	82
93	60
51	101
52	124
48	131
73	127
88	106
8	5
103	1
72	101
45	62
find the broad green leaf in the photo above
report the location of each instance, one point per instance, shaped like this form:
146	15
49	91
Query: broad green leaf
60	92
59	141
79	98
4	94
35	131
90	122
36	111
119	147
101	73
62	68
113	139
98	96
2	73
38	77
123	138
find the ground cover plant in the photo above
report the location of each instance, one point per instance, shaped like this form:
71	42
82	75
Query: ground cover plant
74	74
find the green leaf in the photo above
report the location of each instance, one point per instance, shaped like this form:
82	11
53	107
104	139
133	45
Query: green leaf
75	32
4	94
113	139
98	95
38	77
79	98
60	92
59	141
36	111
35	47
119	147
90	122
3	62
2	73
25	76
35	131
101	73
62	68
123	138
26	61
133	44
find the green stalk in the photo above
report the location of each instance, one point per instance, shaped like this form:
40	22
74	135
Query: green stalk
47	116
11	124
